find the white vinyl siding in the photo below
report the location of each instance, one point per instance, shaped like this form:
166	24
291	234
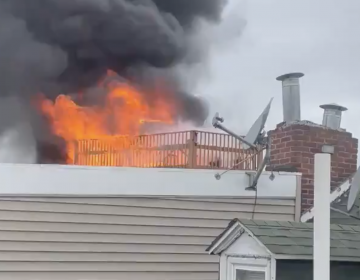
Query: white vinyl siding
112	238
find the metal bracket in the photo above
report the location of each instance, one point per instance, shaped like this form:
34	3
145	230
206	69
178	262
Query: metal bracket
216	122
251	176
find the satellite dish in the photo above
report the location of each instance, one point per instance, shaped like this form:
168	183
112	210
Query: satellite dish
254	139
354	190
253	134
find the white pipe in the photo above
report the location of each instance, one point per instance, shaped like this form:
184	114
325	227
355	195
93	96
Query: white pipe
322	173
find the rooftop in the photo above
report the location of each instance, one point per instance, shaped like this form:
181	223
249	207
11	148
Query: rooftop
284	239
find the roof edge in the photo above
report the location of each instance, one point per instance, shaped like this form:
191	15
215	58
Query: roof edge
66	180
223	241
233	231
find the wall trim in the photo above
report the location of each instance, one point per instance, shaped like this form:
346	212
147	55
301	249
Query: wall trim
60	180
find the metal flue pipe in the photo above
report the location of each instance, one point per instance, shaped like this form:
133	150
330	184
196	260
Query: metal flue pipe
291	96
332	115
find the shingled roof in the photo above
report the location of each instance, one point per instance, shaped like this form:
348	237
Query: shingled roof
339	212
295	239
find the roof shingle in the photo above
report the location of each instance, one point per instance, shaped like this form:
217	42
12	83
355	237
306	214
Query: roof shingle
290	238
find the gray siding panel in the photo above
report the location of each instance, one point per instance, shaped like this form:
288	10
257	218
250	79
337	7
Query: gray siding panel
94	275
105	257
120	237
99	247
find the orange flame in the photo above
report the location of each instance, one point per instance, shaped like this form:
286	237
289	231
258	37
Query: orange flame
124	112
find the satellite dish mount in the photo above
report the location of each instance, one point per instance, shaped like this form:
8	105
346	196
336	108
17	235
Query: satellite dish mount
255	139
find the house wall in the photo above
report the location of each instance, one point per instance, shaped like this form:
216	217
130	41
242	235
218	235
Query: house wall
72	238
299	270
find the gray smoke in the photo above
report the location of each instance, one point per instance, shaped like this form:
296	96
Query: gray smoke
61	46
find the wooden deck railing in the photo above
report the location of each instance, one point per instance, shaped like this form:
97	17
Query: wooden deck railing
186	149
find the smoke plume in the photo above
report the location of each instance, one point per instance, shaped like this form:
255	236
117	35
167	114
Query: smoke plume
61	46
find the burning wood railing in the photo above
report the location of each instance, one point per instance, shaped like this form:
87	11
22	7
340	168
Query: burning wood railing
186	149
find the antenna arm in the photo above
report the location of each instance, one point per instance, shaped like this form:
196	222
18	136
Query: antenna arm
261	168
223	128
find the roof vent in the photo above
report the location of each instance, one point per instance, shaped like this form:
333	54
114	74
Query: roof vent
332	115
291	96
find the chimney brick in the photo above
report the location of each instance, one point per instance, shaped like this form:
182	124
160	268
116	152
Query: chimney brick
296	145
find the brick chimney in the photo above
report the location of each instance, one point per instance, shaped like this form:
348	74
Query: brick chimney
294	145
295	142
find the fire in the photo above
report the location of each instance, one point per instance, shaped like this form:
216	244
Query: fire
123	113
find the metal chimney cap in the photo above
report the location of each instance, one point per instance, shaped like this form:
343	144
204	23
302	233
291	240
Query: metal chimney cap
333	106
290	75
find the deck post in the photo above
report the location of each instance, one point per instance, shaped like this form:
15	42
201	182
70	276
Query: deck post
322	180
76	152
192	150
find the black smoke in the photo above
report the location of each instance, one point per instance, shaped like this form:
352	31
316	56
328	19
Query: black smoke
61	46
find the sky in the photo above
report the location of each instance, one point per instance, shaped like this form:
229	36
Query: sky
260	40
